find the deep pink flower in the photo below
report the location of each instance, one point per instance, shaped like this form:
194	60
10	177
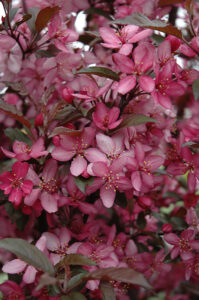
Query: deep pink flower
142	167
166	86
112	179
15	184
11	290
123	39
23	152
106	118
74	145
183	245
47	187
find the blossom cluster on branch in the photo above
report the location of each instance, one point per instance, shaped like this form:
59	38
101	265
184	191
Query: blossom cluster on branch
99	159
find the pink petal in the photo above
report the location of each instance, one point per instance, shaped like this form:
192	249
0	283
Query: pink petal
141	35
131	248
64	236
175	252
136	181
41	243
29	275
14	266
113	114
61	154
49	202
78	165
126	84
172	239
126	49
100	112
188	234
16	196
107	196
109	36
147	83
32	197
94	155
26	186
124	63
105	143
50	169
8	153
100	169
37	148
194	245
52	241
20	169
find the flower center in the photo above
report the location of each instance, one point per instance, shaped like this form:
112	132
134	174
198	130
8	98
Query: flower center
49	186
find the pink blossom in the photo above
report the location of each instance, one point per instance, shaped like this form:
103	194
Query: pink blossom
11	290
23	152
15	183
123	40
183	245
47	187
71	146
112	179
105	118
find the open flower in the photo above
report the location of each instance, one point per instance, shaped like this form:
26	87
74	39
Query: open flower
15	184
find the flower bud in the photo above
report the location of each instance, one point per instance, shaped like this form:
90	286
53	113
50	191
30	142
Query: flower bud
39	120
166	228
145	202
56	140
67	94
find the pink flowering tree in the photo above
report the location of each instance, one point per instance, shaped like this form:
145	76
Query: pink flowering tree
99	159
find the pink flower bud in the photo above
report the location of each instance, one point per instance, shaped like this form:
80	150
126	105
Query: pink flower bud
67	94
69	126
166	228
39	120
85	174
145	202
56	140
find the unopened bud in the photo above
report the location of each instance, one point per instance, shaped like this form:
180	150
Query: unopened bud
39	120
145	202
166	228
67	94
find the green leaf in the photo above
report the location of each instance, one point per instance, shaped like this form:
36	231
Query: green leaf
17	134
28	253
195	87
100	71
143	21
44	17
25	18
126	275
76	280
178	223
107	290
74	296
97	11
64	130
76	259
82	183
11	111
3	277
134	120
